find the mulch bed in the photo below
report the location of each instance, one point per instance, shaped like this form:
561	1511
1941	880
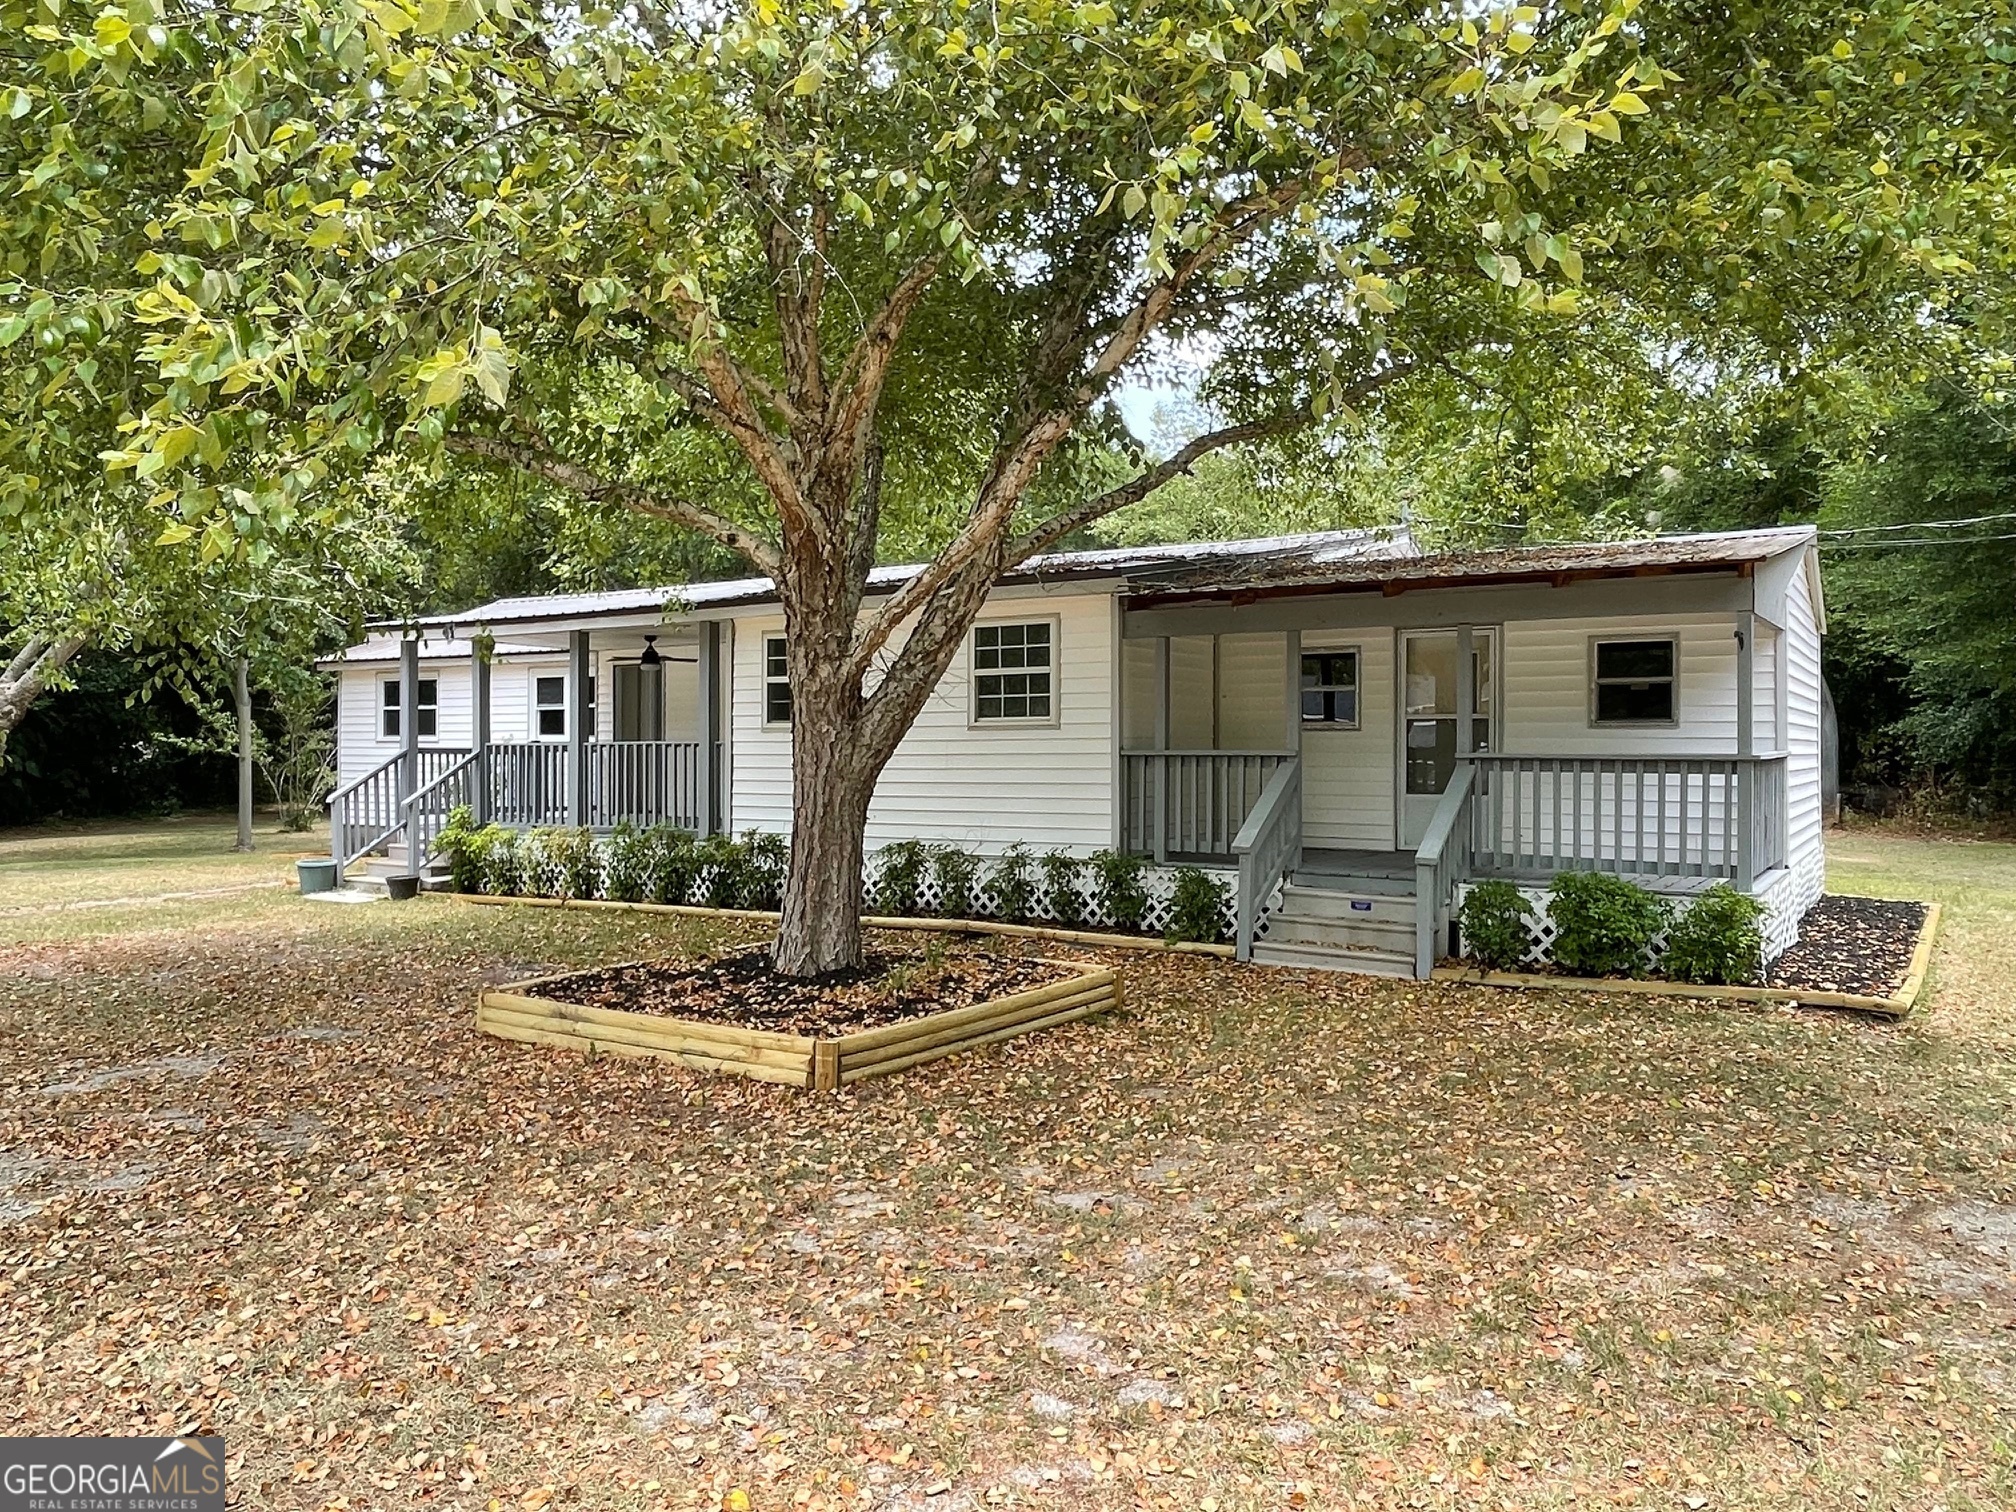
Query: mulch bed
742	990
1859	945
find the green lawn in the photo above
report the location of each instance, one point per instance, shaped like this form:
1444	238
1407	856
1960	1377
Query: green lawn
1267	1240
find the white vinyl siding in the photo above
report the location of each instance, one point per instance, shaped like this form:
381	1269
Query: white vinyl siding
1252	684
950	780
1347	775
1544	683
1803	819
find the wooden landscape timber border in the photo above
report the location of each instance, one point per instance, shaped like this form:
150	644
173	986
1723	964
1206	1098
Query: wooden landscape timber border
519	1012
876	921
1894	1007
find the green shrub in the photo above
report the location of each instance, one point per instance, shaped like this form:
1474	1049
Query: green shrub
1493	921
765	858
1196	907
569	863
626	864
1062	896
723	871
1603	925
1719	939
1116	881
462	843
1013	883
672	862
500	860
899	877
955	871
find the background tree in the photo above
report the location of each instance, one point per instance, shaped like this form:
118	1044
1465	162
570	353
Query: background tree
809	279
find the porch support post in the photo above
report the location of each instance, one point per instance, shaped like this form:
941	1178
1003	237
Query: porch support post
409	717
709	765
479	727
1746	746
1161	744
1291	737
580	667
1466	691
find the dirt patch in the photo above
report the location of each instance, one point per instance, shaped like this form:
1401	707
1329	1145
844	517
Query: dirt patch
743	990
1846	944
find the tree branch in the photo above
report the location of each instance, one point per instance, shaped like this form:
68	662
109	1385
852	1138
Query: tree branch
541	463
1046	535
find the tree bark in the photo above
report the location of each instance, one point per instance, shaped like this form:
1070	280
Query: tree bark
241	692
27	675
820	930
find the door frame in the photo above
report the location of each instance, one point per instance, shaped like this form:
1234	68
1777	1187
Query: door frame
1494	685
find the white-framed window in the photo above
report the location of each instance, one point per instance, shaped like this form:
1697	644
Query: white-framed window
549	708
776	682
428	712
1635	681
1015	672
1330	689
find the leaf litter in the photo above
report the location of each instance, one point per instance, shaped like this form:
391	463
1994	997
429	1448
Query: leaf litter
1347	1243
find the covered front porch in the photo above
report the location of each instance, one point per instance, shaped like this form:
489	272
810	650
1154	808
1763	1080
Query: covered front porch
1392	747
621	725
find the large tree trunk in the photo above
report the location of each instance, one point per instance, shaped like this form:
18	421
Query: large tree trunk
820	930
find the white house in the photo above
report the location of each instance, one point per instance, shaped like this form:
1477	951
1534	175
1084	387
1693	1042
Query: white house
1294	708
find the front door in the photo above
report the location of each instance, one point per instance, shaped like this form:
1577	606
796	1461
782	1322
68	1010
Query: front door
640	702
1428	718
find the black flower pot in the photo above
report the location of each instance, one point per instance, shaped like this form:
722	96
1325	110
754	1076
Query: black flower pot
402	889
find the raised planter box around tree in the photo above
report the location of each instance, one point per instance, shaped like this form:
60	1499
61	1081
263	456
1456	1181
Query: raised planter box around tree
521	1012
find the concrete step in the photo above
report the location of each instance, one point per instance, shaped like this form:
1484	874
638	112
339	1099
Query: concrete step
1382	963
1303	900
1342	934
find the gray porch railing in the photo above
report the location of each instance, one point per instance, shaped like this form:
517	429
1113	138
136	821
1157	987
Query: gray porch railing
644	782
427	810
1715	817
1443	860
1269	847
1191	803
368	811
528	784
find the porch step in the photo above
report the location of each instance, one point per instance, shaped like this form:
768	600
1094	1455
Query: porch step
1309	900
1382	963
1340	922
393	864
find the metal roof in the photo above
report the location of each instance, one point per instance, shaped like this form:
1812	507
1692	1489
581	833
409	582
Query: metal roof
1708	552
385	648
1120	563
1342	559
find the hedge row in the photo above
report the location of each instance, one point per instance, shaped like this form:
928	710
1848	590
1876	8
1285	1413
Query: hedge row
1107	890
1605	925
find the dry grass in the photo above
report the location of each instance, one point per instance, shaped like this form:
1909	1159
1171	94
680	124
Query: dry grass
1270	1240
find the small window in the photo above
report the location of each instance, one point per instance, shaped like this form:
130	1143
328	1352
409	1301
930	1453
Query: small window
428	713
776	682
1013	672
1634	683
549	707
1330	689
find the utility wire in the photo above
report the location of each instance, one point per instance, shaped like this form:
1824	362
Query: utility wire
1987	519
1913	541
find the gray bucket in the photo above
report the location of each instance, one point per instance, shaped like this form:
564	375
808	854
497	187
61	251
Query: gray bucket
318	875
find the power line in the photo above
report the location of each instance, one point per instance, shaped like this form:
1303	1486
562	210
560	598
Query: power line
1914	541
1987	519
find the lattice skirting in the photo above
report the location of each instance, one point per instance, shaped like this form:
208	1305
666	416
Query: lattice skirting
1786	895
1091	912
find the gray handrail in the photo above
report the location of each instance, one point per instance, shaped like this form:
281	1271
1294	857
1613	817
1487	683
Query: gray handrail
1269	847
1435	867
424	819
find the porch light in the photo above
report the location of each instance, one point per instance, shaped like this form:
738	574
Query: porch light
650	658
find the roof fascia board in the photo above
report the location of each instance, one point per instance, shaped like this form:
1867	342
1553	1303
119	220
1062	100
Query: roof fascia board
1722	591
